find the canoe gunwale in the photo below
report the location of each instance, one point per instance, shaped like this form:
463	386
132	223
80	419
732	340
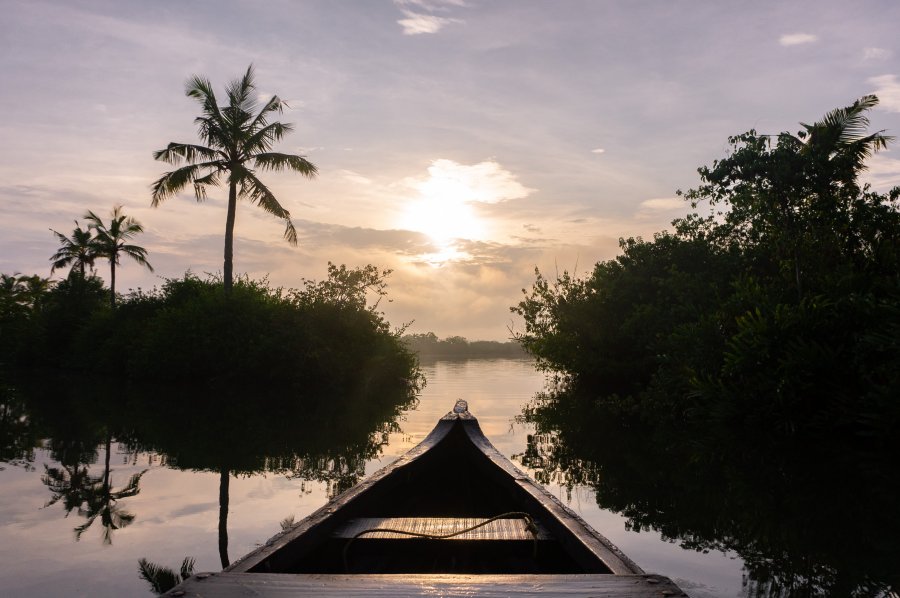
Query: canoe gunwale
592	540
317	522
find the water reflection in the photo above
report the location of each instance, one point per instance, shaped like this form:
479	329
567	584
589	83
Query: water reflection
806	520
90	496
18	437
321	434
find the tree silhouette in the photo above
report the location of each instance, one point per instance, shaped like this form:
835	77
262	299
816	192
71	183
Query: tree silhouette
239	139
92	497
111	242
162	579
78	250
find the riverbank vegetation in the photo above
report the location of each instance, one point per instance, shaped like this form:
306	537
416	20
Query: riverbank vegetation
716	380
778	312
189	331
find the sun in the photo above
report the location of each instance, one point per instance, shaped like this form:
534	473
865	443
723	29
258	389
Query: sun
444	211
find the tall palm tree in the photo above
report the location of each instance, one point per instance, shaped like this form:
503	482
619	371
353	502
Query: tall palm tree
79	250
238	140
111	242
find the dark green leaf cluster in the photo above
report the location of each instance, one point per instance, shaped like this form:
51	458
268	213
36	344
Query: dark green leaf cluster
189	331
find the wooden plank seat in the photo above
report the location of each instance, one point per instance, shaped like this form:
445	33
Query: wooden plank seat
417	527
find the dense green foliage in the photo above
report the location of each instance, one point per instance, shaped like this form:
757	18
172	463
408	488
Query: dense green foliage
322	334
776	313
717	379
306	382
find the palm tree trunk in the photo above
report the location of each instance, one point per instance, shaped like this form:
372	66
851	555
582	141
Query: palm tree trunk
223	516
229	237
106	465
112	282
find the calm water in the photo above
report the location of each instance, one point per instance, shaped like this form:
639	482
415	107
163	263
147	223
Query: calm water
175	511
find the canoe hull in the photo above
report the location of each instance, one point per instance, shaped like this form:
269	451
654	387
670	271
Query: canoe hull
453	479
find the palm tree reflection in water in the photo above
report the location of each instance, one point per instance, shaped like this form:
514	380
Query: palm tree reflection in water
90	496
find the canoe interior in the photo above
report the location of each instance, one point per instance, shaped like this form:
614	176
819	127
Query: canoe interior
451	479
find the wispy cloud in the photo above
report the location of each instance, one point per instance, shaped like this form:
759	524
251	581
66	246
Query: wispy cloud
417	23
432	5
598	150
887	88
876	54
419	17
354	177
797	39
883	173
660	206
396	241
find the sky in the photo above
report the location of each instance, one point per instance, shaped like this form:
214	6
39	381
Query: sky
460	143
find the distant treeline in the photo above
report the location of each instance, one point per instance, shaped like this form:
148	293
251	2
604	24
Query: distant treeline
429	345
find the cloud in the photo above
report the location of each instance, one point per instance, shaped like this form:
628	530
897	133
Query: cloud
659	207
796	39
887	88
883	173
432	5
876	54
417	23
396	241
486	182
598	150
419	18
355	177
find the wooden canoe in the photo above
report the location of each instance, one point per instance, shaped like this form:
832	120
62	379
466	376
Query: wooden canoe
451	517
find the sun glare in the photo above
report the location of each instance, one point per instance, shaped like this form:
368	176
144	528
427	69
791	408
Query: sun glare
443	210
443	219
445	206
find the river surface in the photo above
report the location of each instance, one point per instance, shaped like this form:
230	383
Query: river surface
175	512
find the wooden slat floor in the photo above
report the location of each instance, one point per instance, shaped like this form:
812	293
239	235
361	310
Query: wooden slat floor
499	529
276	585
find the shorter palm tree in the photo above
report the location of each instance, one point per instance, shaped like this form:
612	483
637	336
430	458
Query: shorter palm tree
110	242
162	579
19	292
78	250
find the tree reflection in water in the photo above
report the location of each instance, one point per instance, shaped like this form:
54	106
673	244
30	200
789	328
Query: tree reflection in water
18	437
807	520
323	434
91	497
